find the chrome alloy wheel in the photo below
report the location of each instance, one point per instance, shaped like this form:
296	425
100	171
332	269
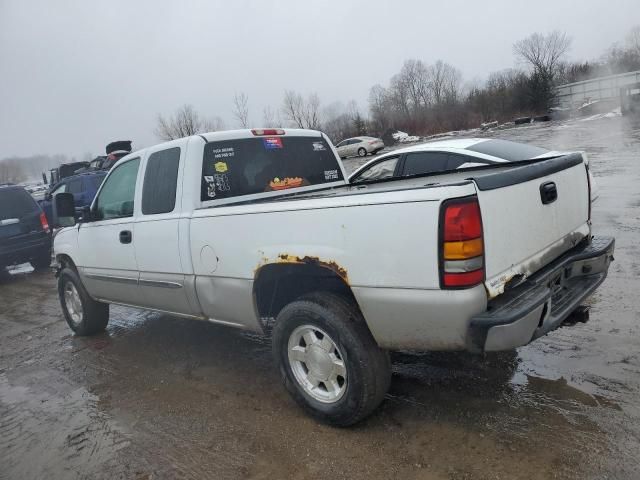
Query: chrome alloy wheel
317	364
72	302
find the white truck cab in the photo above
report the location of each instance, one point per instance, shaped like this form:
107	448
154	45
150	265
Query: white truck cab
248	227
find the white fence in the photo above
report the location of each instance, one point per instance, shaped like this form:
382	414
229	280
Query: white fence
573	95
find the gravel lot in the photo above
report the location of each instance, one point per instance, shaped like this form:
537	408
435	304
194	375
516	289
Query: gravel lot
162	397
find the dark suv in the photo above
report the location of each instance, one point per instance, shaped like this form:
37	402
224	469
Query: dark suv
24	231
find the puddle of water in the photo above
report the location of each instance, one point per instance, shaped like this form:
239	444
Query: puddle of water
62	435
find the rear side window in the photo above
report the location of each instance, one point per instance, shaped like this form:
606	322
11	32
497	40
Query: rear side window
511	151
248	166
16	203
425	162
160	182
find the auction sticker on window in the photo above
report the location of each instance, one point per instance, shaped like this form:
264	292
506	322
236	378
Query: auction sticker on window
223	152
272	143
331	175
221	167
318	147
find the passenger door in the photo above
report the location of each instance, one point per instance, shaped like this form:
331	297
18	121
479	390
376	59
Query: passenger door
353	146
107	258
162	277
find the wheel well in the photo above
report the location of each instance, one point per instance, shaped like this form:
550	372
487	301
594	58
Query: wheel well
278	284
65	261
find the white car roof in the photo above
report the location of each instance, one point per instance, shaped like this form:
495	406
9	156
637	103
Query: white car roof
440	144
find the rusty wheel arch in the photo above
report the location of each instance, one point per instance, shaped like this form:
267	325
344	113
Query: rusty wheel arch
278	283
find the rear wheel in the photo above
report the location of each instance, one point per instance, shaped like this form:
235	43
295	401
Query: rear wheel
328	360
362	152
84	315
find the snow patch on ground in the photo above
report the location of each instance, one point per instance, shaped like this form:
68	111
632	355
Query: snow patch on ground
617	112
22	268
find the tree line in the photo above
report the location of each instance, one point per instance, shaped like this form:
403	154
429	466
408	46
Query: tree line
422	98
425	98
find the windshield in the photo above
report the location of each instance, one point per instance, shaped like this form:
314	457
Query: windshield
231	168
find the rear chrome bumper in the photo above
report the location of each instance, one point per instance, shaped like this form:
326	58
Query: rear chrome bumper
544	301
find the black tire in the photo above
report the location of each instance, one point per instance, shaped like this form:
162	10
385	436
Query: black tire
94	316
362	152
367	365
42	261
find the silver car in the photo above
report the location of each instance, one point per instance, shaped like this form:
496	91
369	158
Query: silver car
360	146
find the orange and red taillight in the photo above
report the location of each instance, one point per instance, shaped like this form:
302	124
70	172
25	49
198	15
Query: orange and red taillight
461	243
44	222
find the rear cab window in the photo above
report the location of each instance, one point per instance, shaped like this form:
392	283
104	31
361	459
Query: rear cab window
160	182
16	203
263	165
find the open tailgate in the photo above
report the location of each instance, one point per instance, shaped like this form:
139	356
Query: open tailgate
531	214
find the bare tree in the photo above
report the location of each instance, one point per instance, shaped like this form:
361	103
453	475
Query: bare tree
241	109
293	108
269	117
185	122
301	113
311	112
543	53
633	40
379	108
214	124
11	171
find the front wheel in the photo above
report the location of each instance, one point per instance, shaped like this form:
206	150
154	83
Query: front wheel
328	359
84	315
362	152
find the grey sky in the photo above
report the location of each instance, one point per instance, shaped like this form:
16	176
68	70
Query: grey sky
77	74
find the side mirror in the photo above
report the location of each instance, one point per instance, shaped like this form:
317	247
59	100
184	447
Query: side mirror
64	210
83	214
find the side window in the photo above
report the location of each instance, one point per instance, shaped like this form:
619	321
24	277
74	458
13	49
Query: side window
378	171
60	189
420	163
117	194
75	186
160	182
354	141
464	161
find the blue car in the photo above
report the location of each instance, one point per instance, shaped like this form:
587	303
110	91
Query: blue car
83	186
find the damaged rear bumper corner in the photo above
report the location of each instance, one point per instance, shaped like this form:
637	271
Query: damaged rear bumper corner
543	302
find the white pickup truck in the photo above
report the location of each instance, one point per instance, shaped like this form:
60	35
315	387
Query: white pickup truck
259	228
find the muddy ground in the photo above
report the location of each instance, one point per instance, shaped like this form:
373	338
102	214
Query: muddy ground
162	397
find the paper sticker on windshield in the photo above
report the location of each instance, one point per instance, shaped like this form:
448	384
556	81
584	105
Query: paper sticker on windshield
318	147
221	167
272	143
331	174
